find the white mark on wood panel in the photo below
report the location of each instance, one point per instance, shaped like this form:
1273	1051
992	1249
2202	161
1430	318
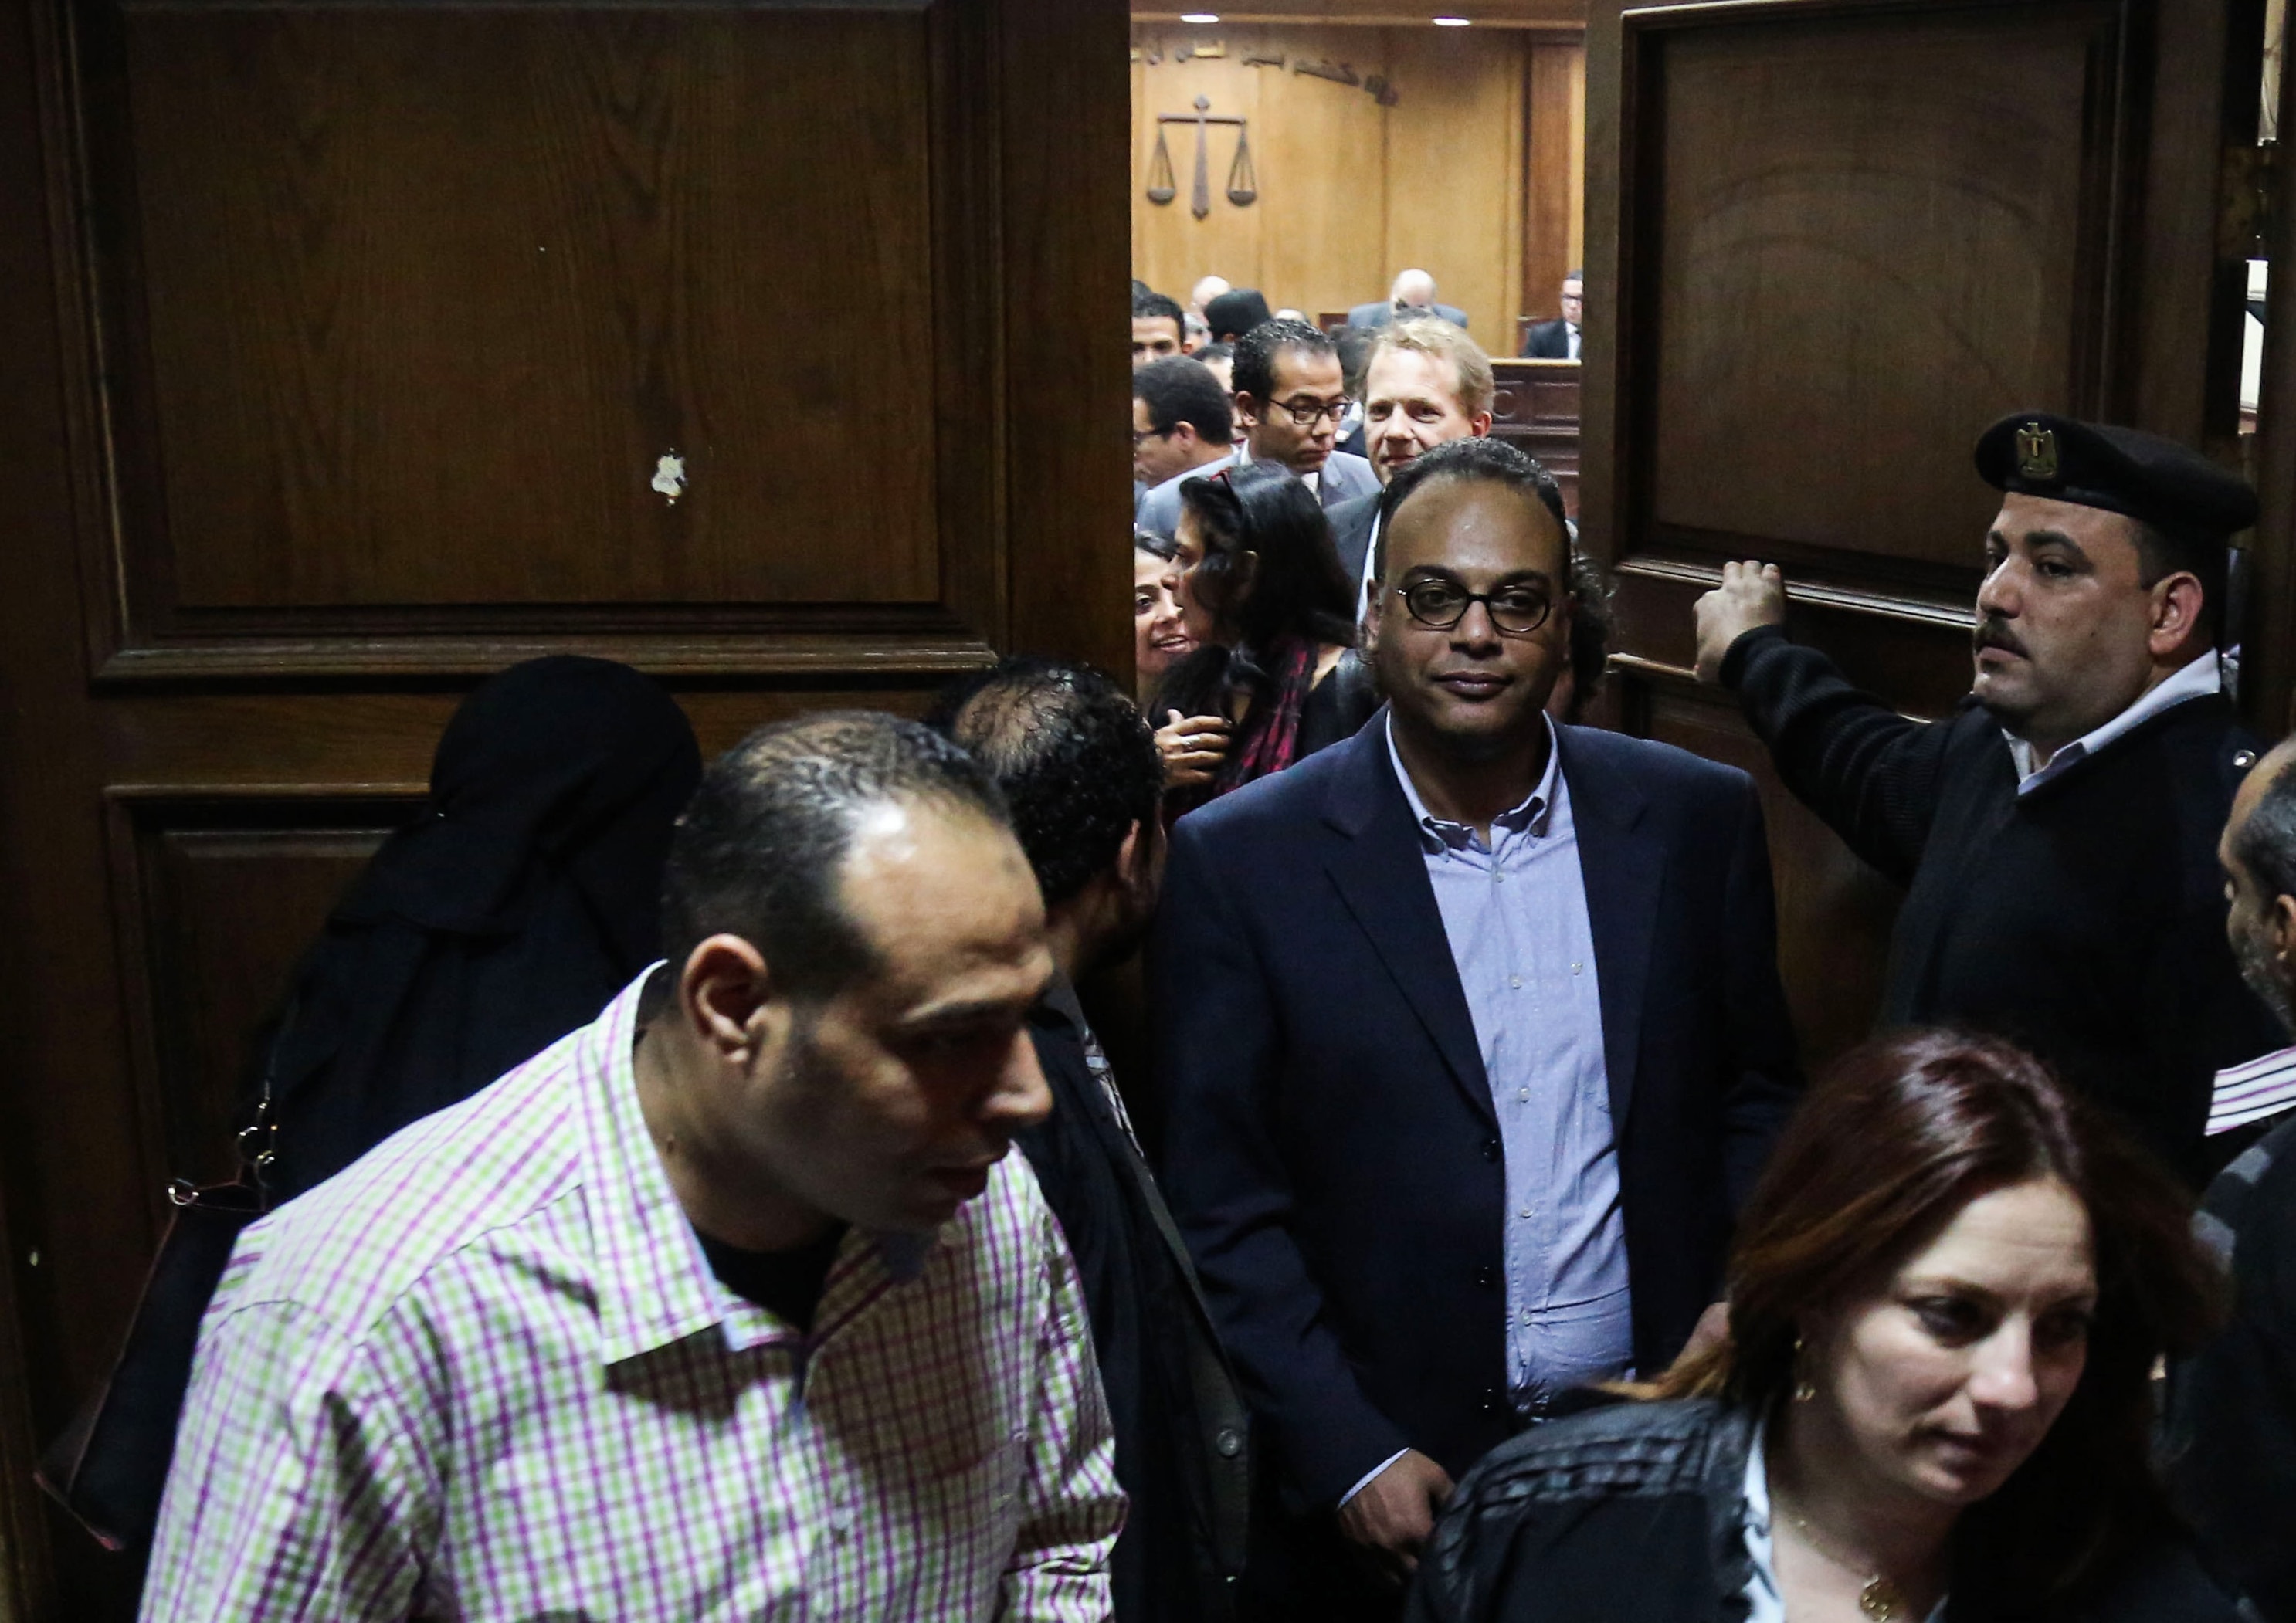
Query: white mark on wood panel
669	476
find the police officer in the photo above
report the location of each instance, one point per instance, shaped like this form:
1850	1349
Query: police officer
2056	833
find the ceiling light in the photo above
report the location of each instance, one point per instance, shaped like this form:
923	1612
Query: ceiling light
1199	17
1453	22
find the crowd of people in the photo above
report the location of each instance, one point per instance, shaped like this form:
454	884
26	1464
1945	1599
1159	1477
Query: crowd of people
1458	1238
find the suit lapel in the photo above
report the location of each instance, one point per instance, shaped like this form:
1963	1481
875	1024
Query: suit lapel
1382	878
1622	864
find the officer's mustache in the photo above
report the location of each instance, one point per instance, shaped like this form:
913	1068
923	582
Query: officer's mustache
1993	633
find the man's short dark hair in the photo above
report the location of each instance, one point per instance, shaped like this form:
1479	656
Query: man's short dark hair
760	852
1181	388
1578	276
1216	352
1146	306
1236	313
1256	351
1076	762
1484	459
2266	844
2161	553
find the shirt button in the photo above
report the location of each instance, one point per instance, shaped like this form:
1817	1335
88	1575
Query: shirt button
1526	1214
1229	1442
1577	967
1526	1316
1523	1094
1516	981
1498	878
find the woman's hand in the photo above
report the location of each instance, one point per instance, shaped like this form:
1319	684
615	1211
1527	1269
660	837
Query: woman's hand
1192	747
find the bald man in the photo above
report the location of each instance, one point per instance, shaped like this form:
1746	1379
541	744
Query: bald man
1414	291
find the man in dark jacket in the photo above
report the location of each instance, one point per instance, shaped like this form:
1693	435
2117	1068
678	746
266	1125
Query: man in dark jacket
2057	833
1080	768
1472	1035
2231	1452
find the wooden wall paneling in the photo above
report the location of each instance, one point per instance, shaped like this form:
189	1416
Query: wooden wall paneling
2184	318
1454	162
1349	193
1555	174
1324	244
2267	670
1171	250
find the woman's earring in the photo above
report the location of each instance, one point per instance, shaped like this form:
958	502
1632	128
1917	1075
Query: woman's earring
1803	1389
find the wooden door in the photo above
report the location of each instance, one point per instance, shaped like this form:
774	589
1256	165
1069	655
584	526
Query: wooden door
354	351
1828	241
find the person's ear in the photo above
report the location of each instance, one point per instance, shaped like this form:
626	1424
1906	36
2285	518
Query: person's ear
1478	426
2280	930
2176	603
724	990
1247	408
1247	573
1183	433
1374	612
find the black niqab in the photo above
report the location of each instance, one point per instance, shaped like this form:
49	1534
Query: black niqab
524	896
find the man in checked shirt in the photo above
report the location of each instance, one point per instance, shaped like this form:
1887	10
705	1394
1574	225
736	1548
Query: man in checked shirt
729	1305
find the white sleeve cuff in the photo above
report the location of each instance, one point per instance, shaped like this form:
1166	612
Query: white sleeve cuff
1368	1475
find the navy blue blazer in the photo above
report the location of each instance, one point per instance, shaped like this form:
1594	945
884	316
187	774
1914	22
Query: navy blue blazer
1334	1156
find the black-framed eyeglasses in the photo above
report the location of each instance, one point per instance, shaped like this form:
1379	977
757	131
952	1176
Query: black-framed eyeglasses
1141	436
1306	413
1515	610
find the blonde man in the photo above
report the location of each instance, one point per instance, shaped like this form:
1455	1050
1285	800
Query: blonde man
1425	382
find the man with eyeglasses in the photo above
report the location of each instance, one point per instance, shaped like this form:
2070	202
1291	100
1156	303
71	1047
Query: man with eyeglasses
1476	1042
1180	423
1290	397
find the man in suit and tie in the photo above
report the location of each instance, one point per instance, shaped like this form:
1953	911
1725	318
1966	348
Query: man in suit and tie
1558	341
1473	1040
1290	398
1425	382
1413	292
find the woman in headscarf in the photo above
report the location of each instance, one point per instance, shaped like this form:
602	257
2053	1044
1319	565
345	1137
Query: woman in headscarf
521	899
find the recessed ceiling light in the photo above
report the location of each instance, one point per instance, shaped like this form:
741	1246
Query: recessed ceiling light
1199	17
1453	22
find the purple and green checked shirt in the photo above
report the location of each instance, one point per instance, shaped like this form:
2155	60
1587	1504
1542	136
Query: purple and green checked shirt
486	1373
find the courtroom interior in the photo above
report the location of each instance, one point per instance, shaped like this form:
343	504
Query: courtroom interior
1655	980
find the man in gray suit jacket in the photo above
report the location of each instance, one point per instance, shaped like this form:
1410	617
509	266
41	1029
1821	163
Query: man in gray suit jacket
1414	291
1290	397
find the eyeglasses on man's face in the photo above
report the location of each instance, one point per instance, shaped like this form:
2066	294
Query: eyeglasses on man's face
1516	609
1141	436
1307	411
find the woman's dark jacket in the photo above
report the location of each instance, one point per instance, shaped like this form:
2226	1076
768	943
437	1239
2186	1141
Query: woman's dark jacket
1636	1513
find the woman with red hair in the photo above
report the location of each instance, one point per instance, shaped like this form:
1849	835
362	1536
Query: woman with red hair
1945	1301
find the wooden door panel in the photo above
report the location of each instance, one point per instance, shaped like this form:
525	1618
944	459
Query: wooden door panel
220	898
1869	234
345	341
1828	241
601	234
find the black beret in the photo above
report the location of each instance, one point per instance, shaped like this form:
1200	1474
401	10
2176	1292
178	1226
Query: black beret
1236	313
2126	470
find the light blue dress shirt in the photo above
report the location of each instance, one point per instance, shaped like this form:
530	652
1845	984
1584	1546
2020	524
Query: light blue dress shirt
1514	913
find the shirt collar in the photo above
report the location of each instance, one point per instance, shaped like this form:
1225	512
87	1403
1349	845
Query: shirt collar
1437	834
2199	679
654	1285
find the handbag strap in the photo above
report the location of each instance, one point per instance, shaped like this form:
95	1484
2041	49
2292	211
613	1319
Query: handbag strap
258	1142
